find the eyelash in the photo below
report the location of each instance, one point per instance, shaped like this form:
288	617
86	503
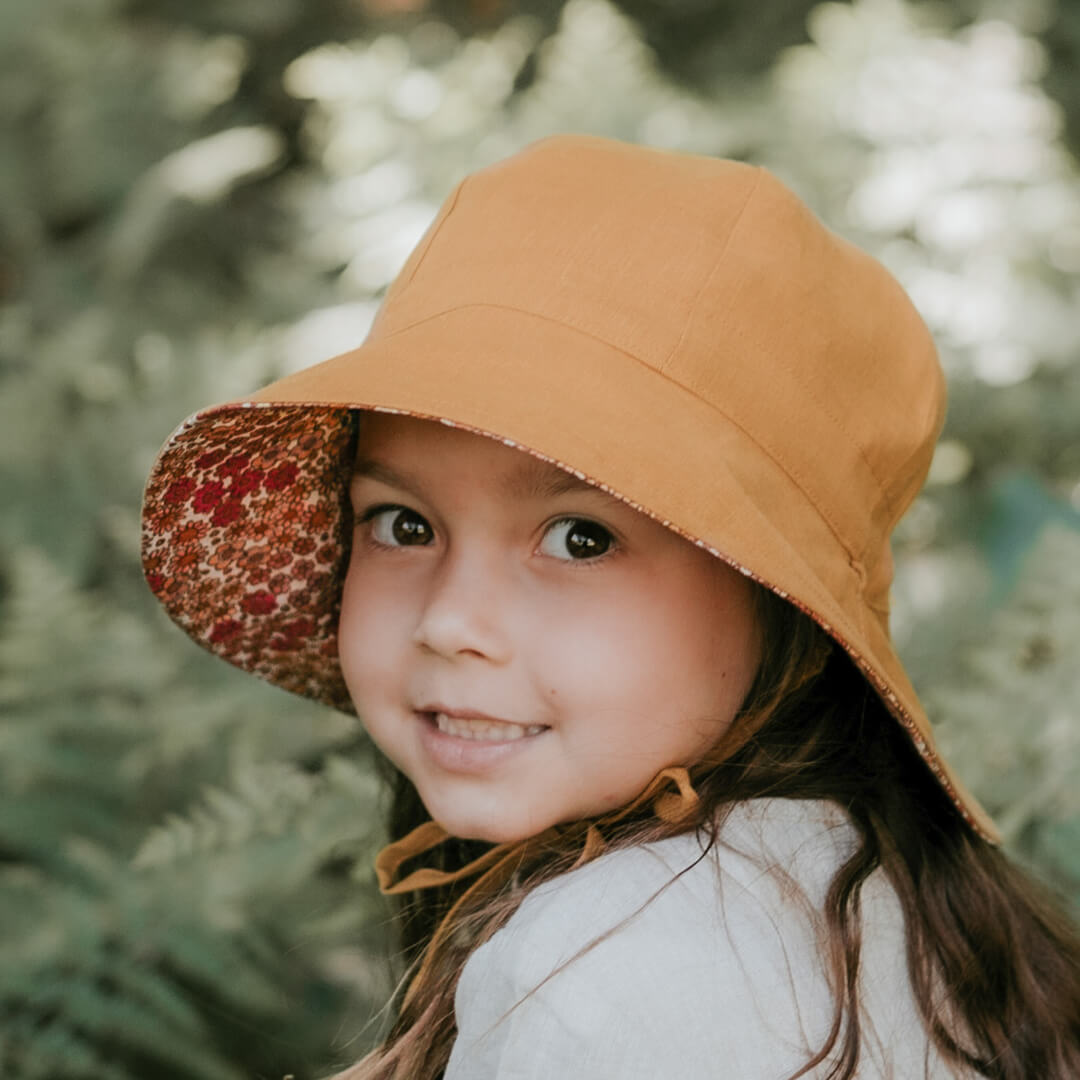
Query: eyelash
368	515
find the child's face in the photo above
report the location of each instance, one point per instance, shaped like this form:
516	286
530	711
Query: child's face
573	646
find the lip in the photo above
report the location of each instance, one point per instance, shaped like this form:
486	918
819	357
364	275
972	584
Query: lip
470	756
463	714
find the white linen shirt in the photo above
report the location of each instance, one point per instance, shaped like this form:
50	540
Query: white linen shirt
660	962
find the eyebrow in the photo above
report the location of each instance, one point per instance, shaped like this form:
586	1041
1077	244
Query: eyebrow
531	480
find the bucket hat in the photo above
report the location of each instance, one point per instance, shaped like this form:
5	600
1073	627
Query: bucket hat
679	330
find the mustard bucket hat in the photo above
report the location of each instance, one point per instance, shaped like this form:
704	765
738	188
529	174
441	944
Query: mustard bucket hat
680	331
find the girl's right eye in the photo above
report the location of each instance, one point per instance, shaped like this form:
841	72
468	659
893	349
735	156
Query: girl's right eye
396	526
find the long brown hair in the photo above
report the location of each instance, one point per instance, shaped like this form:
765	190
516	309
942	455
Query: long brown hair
994	965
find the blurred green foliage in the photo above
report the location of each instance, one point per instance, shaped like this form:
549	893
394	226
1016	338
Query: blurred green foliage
198	197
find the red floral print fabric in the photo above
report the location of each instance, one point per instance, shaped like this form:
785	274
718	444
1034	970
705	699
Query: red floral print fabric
246	529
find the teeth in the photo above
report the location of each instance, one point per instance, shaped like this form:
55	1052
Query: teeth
485	730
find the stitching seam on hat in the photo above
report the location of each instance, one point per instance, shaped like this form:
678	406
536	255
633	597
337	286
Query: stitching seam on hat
451	207
662	367
894	512
859	570
824	406
833	527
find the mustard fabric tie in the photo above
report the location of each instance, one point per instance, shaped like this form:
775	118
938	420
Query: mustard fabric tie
671	806
670	792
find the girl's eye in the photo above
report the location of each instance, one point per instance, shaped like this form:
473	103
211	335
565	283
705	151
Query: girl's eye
394	526
576	538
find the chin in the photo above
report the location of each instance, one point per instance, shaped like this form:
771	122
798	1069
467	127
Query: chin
488	829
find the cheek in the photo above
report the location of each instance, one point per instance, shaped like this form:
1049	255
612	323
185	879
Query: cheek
613	655
584	640
370	628
732	657
693	638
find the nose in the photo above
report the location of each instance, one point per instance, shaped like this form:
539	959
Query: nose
464	610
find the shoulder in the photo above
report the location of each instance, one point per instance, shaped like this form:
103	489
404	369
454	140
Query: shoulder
667	952
670	959
772	857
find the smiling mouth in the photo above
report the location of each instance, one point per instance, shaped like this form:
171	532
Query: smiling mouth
482	729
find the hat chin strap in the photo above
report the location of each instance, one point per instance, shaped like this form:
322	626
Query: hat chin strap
670	793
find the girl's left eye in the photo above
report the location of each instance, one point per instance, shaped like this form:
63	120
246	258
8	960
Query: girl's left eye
396	526
576	539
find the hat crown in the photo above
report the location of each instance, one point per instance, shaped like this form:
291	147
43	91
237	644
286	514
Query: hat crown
714	274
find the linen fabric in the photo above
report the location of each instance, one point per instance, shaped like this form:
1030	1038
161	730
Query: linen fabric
659	961
680	331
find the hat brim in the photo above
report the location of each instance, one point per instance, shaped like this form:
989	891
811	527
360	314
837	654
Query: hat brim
536	384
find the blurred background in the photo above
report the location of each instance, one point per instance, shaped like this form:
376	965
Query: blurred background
199	196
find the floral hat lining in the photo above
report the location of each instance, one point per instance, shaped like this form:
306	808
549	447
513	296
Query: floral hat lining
246	539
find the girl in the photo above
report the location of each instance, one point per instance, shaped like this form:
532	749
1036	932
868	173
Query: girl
593	534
